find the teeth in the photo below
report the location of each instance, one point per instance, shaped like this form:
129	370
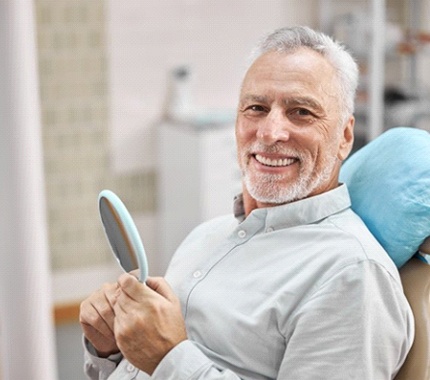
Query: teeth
279	162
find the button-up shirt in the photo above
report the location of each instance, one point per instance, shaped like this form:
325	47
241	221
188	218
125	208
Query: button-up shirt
297	291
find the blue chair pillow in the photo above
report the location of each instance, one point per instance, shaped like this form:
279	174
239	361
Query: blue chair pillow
389	184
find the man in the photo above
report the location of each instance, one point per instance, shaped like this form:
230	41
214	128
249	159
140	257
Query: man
293	287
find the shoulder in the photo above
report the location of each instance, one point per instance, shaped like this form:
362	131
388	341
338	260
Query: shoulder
359	245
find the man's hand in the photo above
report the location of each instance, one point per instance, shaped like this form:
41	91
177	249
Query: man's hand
148	321
97	320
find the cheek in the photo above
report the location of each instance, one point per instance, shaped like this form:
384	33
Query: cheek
316	153
326	154
242	131
244	138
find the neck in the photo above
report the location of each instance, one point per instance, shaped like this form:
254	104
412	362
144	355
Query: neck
249	203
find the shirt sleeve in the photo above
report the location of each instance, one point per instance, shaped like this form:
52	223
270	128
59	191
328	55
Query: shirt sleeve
184	362
97	368
357	325
187	362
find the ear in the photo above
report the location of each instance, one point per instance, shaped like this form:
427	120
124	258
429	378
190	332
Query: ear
346	139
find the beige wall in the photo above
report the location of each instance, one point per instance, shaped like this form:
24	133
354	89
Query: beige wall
74	99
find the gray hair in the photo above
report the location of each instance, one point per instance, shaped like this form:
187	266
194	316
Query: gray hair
288	40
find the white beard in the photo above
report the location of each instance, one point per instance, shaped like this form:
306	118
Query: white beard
272	189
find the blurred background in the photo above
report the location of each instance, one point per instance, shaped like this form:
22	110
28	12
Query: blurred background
138	96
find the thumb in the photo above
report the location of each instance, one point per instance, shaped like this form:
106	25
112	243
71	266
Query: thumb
160	286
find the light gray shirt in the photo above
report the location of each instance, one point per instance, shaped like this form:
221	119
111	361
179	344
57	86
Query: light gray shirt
299	291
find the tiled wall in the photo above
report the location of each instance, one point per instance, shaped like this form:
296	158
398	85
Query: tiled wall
74	100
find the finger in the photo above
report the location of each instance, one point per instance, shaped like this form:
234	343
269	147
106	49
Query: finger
92	316
160	286
112	295
135	273
131	286
106	312
103	303
122	304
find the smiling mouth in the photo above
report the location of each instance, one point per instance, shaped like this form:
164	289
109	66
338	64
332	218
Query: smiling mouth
276	162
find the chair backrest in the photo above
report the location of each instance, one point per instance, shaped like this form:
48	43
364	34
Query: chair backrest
389	183
415	276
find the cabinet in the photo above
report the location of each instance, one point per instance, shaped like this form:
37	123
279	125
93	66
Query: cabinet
387	39
198	177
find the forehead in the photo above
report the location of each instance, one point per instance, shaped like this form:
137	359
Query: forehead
291	73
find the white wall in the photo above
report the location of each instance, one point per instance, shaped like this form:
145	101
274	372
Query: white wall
147	38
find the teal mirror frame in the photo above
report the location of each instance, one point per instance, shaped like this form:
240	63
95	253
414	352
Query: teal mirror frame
122	234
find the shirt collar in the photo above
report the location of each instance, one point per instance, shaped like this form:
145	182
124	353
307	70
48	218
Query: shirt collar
305	211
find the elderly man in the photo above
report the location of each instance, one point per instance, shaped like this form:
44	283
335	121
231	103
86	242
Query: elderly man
293	286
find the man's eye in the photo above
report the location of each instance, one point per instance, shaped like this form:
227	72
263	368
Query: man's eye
302	116
255	108
302	112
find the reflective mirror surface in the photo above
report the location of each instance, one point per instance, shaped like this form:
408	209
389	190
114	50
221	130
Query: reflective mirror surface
122	234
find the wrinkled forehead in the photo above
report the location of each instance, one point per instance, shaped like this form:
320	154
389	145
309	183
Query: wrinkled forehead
303	70
300	60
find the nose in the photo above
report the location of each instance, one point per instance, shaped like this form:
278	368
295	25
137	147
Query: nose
273	128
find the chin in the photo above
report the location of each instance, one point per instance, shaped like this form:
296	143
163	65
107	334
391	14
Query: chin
270	192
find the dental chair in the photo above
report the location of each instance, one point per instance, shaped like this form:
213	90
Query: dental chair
415	275
389	184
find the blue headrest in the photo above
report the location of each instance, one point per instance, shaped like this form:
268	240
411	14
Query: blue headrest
389	184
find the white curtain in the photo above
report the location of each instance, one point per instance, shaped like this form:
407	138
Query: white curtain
27	332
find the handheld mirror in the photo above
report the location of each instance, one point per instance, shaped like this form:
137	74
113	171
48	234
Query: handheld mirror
122	234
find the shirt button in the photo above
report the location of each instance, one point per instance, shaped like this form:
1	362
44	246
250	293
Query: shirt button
130	367
270	229
241	234
197	274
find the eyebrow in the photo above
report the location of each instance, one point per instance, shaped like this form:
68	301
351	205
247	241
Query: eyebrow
254	98
304	101
289	102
